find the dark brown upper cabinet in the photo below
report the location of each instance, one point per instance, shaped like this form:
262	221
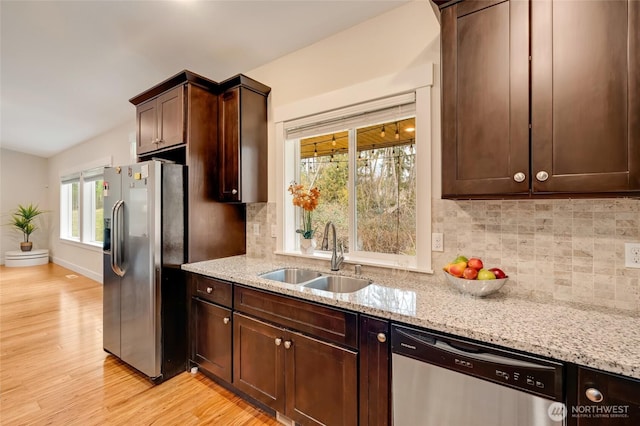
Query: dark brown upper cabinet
185	106
183	111
242	141
540	98
161	122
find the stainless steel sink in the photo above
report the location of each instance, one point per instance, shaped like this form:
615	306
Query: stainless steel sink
338	284
291	275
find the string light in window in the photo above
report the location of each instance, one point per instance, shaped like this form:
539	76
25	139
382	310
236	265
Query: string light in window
382	133
397	132
333	140
315	149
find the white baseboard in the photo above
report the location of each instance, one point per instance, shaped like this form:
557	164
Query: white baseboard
84	271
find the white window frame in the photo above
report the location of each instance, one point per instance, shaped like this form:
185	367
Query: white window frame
347	101
84	175
66	215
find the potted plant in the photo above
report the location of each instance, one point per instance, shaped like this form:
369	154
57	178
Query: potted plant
308	201
22	219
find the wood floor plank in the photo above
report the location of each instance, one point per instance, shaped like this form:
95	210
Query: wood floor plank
54	371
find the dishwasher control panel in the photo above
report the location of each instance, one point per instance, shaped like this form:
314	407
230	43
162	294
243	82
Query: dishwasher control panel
527	373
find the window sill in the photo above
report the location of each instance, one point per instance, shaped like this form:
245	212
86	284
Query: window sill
354	260
79	244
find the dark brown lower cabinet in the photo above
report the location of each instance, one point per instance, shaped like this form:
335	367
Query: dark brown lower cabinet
211	342
310	381
602	399
375	383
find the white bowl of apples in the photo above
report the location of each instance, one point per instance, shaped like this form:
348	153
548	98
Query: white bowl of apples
469	276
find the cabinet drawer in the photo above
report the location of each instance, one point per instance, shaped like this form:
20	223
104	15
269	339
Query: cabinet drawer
331	324
210	289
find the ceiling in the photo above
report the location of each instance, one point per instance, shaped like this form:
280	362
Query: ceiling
68	68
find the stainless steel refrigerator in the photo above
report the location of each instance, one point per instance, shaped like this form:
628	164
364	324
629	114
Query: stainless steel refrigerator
144	303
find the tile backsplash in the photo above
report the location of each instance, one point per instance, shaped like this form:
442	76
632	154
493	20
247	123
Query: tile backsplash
564	249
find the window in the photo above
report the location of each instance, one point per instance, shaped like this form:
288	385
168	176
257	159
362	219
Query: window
81	206
364	161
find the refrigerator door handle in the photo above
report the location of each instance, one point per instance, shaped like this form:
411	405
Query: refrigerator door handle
116	238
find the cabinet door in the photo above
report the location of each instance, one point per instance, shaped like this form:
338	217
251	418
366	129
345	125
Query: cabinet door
485	98
375	390
146	137
618	393
321	382
259	361
229	146
211	344
171	122
585	98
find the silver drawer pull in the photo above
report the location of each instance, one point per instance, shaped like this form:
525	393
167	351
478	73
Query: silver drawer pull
382	337
542	175
287	344
226	320
209	290
278	341
519	177
234	191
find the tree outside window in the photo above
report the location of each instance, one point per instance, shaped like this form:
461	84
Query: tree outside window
382	185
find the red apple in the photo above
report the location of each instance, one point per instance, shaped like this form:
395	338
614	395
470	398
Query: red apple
470	273
475	263
457	269
499	273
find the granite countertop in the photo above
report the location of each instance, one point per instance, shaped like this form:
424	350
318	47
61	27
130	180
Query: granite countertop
605	340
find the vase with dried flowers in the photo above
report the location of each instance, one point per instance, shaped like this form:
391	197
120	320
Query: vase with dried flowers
307	199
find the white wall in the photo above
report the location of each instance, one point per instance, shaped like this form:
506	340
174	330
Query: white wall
114	144
23	180
389	44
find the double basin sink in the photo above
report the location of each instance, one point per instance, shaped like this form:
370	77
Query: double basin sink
313	279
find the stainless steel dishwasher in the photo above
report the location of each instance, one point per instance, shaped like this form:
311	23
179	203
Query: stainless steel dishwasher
443	381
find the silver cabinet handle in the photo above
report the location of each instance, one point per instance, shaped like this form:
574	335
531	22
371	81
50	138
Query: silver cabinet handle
287	344
542	175
226	320
594	395
278	341
382	337
209	290
234	191
519	177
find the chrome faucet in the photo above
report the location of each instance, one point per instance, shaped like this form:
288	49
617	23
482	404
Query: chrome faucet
336	260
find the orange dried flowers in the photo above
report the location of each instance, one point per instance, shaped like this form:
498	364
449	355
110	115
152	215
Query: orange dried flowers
308	200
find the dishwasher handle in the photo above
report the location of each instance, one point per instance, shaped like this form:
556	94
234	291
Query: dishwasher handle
488	357
429	342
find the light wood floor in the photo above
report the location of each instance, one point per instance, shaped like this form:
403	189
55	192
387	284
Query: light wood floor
53	369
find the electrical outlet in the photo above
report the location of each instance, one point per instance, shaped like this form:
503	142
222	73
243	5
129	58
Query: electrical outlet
632	255
256	229
437	241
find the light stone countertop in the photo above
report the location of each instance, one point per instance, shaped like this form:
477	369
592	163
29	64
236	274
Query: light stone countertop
605	340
